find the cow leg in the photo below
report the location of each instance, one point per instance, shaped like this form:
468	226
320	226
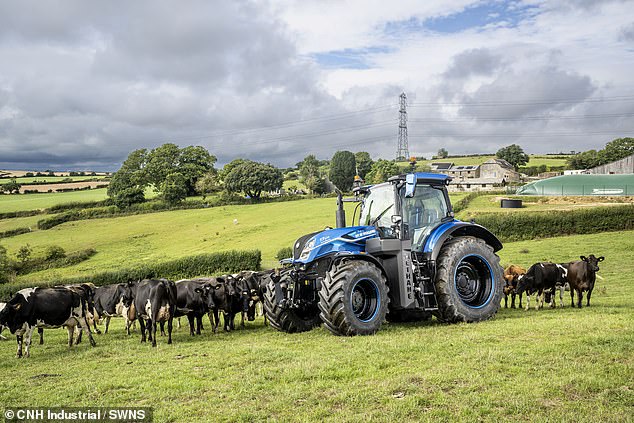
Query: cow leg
520	306
154	328
580	295
169	330
561	296
142	326
94	325
513	300
162	328
178	323
588	300
506	301
27	342
216	320
151	333
86	328
71	335
40	331
190	317
528	301
242	321
18	339
199	324
78	332
572	298
108	324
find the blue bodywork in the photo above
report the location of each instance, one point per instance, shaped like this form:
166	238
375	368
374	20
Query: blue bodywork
437	233
340	240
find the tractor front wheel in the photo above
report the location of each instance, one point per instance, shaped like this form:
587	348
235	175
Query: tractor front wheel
468	280
353	298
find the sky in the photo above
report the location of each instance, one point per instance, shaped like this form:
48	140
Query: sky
82	84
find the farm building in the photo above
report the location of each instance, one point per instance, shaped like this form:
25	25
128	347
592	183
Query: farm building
620	167
492	174
581	185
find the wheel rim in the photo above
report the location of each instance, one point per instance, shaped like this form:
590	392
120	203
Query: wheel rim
473	281
365	300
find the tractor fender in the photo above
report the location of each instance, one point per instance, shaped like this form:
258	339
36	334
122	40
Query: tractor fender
336	258
454	229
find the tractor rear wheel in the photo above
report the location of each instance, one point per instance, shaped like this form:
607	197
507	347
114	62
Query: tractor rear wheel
353	298
290	320
468	280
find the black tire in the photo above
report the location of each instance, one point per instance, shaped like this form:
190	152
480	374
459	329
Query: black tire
353	298
288	320
468	280
404	316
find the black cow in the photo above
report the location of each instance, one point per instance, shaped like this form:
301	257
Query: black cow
154	302
581	276
254	284
224	296
194	299
44	307
539	278
110	300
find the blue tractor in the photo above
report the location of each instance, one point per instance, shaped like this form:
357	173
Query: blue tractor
407	259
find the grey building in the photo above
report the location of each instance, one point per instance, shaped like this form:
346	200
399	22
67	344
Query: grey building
619	167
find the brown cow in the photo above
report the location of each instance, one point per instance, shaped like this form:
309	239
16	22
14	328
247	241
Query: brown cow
581	277
511	275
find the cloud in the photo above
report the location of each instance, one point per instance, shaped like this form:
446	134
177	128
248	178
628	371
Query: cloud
83	84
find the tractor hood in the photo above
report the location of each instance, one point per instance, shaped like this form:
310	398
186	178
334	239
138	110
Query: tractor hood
351	239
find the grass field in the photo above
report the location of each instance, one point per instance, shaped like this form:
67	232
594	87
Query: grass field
10	203
548	365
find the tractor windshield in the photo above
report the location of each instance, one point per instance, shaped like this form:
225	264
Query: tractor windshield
423	212
378	208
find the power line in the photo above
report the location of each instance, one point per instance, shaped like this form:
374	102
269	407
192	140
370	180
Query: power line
521	118
525	103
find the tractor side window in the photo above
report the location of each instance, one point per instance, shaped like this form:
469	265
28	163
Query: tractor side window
423	212
378	208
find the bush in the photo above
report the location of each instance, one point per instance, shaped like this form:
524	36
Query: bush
185	267
14	232
21	213
284	253
524	226
54	252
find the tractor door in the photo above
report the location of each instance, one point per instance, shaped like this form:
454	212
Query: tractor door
423	212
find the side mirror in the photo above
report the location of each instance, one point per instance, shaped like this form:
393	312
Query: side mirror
410	185
396	219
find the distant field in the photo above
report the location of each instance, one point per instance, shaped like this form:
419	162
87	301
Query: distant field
50	179
548	365
535	160
9	203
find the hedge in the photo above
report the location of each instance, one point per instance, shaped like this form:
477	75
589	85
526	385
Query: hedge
21	213
185	267
525	226
14	232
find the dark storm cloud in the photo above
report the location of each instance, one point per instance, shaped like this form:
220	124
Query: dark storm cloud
85	83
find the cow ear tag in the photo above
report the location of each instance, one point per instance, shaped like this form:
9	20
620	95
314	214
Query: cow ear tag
18	306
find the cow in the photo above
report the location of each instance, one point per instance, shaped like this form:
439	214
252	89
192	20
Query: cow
511	275
581	277
109	302
539	278
194	299
47	308
224	294
2	305
154	301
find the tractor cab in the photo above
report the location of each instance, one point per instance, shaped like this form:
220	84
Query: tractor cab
407	208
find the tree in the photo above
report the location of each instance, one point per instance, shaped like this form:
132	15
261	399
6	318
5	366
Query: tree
128	183
617	149
513	154
193	163
12	187
161	162
584	160
342	170
229	167
442	154
364	163
24	253
4	265
208	184
174	188
252	178
310	173
381	171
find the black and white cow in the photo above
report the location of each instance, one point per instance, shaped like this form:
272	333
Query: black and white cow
2	305
223	294
47	308
154	302
109	302
194	299
539	278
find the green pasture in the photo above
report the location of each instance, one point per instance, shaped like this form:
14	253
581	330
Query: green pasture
547	365
16	202
534	160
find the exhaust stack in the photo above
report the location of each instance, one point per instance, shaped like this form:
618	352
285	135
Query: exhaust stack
341	213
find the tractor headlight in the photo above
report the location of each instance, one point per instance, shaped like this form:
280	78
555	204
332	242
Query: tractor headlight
307	247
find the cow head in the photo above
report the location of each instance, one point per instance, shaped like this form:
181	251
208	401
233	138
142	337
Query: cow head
11	314
593	261
523	281
206	295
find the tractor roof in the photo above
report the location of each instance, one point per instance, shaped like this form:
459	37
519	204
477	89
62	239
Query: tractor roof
425	178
